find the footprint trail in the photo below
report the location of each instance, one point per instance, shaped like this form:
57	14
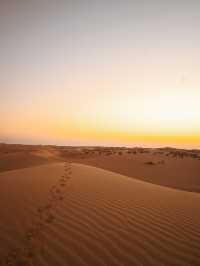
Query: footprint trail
33	242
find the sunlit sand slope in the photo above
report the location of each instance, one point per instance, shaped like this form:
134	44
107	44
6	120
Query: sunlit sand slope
177	173
70	214
24	159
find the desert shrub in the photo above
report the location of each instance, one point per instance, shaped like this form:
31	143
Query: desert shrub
149	163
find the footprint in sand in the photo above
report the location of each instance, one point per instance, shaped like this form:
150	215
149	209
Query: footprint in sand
50	218
45	215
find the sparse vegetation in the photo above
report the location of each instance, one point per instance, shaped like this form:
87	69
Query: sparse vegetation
149	163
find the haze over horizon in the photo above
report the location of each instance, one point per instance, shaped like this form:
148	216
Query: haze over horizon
100	72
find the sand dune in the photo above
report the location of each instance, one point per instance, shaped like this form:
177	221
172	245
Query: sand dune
180	173
11	160
72	214
180	170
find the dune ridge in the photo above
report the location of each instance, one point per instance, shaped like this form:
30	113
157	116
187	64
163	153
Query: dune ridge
33	242
104	218
179	173
168	167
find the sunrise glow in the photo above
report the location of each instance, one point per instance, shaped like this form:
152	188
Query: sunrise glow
109	76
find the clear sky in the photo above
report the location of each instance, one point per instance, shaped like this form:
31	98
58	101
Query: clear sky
121	72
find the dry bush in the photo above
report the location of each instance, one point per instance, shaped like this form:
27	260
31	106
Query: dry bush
149	163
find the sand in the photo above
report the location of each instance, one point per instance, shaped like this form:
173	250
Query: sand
180	173
22	156
74	214
180	169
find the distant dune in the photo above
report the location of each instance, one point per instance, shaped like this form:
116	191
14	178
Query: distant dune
180	173
71	214
167	167
21	156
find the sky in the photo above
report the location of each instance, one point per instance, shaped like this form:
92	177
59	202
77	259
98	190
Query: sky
107	72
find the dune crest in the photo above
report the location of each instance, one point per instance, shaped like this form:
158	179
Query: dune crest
104	218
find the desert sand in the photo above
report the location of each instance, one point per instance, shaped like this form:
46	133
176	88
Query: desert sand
167	167
55	211
180	173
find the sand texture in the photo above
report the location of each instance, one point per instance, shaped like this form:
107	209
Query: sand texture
73	214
